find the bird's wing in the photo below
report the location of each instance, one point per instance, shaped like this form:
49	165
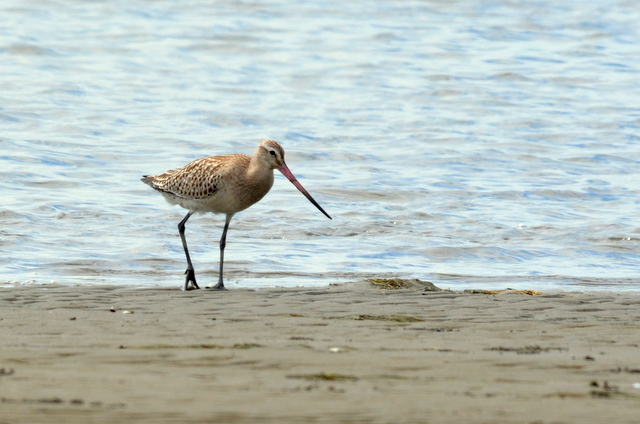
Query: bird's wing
196	180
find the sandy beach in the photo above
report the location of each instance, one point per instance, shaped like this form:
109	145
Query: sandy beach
352	353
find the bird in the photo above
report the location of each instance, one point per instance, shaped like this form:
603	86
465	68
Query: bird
224	184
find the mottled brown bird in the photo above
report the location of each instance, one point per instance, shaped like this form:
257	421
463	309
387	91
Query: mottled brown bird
223	184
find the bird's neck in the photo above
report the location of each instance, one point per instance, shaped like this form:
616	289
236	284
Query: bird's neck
259	176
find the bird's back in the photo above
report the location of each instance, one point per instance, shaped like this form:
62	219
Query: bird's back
212	184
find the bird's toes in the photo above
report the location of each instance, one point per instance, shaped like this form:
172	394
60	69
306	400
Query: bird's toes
190	280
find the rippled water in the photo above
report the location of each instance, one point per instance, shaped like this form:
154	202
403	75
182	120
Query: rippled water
468	143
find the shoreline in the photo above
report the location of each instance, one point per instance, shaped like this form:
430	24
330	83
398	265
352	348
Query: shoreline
342	353
412	283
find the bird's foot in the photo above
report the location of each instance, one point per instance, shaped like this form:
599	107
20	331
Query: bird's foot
219	286
190	280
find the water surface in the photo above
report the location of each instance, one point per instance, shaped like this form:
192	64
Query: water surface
468	143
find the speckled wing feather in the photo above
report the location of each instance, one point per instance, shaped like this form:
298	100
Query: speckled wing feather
196	180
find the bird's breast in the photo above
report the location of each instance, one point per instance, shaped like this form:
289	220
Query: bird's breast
235	192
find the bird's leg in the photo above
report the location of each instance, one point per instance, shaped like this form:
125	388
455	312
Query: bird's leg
190	272
223	243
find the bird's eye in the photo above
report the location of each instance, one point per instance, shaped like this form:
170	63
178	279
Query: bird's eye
272	152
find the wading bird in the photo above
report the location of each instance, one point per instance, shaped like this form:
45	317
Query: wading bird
222	184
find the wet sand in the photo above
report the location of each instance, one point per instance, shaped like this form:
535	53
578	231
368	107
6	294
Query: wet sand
350	353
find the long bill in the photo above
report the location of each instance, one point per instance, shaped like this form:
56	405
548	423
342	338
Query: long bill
287	173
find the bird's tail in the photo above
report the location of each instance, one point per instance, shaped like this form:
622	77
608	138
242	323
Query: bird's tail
147	179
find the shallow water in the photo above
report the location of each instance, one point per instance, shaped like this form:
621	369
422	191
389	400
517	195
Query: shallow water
469	143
